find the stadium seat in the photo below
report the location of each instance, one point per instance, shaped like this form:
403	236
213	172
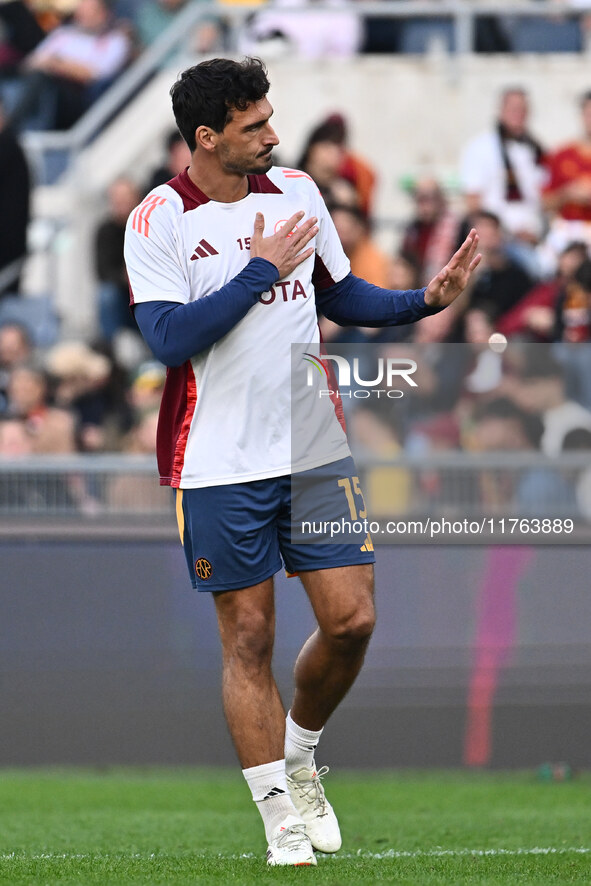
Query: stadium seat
37	314
418	35
546	35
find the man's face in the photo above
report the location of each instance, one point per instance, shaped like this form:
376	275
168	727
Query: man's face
490	234
91	15
246	143
496	434
349	228
429	202
514	113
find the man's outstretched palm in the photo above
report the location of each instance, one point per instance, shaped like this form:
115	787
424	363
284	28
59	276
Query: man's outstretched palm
453	278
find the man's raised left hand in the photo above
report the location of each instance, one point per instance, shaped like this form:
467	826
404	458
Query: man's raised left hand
454	277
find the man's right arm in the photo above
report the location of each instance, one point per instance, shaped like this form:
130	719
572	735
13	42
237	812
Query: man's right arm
176	328
173	325
176	332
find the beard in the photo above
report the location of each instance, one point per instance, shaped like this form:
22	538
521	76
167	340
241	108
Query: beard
247	165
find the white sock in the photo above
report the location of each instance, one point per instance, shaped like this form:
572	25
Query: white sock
300	745
269	790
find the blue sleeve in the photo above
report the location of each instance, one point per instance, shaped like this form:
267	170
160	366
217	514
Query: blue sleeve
176	332
355	302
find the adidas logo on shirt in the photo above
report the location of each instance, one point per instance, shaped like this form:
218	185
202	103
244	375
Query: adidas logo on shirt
203	250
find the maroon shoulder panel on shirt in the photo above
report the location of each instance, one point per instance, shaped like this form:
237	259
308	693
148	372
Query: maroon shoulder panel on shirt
320	275
187	191
262	184
193	197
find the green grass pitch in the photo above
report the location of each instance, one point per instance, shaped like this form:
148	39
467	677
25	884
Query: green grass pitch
176	827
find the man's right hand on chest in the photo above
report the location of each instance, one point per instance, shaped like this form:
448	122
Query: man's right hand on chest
286	248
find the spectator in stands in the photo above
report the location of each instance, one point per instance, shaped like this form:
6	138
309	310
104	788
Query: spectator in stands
15	188
178	157
502	426
375	430
573	309
15	345
327	158
367	260
147	387
15	349
113	287
502	172
310	33
15	440
573	328
16	443
432	234
52	13
51	429
403	271
579	441
82	386
20	33
568	191
540	389
538	315
71	67
500	282
132	491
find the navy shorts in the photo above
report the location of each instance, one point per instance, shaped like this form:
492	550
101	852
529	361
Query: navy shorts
238	535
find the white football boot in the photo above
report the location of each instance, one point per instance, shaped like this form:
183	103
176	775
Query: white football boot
308	797
290	845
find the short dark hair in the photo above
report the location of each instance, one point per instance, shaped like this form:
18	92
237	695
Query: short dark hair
504	409
486	215
207	93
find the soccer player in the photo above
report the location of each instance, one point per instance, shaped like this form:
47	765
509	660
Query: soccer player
227	265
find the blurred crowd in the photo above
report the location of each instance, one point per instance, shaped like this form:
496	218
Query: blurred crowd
513	403
530	203
58	56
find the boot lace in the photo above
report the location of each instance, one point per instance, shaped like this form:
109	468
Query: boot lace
292	837
312	791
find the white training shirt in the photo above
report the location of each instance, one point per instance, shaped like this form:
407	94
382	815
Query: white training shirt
226	414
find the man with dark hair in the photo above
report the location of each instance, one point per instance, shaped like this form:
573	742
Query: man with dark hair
177	159
227	264
501	281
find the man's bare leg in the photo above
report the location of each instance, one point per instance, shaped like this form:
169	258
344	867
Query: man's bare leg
252	705
326	668
342	599
256	717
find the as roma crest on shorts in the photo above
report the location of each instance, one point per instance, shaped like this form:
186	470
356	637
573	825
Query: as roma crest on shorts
203	568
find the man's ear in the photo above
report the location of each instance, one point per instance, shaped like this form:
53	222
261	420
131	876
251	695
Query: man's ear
206	138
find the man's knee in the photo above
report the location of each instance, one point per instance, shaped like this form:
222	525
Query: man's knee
250	640
353	629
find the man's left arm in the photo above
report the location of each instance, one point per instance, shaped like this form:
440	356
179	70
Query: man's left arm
354	302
